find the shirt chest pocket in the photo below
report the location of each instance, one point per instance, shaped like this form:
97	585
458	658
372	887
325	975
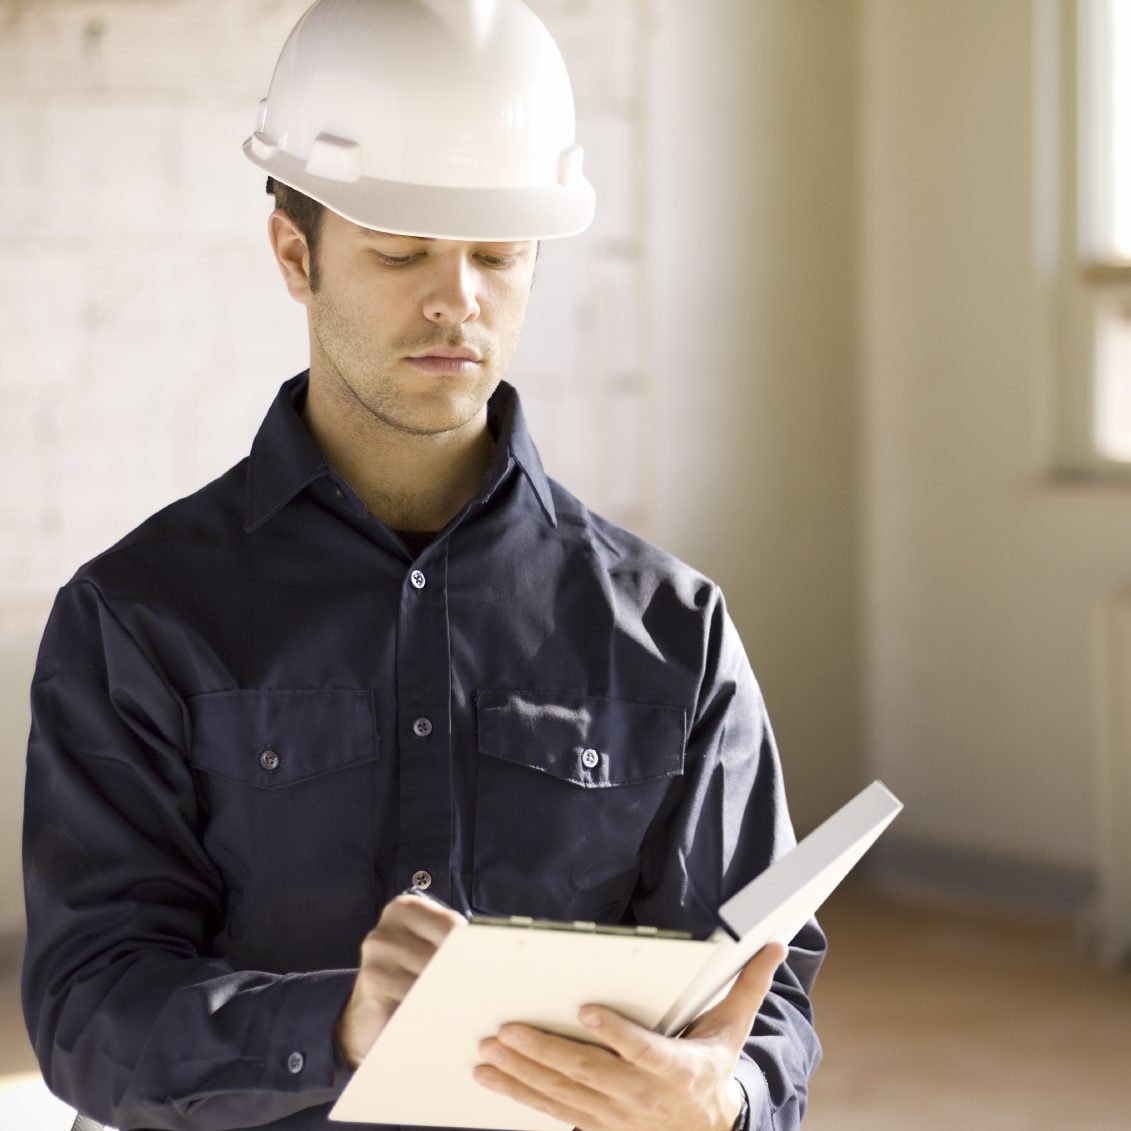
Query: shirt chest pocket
286	780
568	788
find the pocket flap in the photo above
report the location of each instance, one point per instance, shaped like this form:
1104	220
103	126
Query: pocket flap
595	743
273	738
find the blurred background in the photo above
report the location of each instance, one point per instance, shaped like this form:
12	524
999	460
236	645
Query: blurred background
851	334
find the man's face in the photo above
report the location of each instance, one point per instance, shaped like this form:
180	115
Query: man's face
416	332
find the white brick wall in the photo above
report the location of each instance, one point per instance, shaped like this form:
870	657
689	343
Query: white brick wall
142	325
144	329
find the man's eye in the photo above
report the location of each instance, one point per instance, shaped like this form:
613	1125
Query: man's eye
395	260
497	261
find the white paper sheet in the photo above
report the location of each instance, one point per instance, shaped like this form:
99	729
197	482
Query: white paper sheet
419	1071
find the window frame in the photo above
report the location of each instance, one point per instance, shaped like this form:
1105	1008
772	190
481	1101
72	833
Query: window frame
1087	282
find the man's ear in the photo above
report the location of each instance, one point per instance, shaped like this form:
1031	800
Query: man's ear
291	253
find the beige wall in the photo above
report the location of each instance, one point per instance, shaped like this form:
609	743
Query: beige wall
982	572
754	318
853	277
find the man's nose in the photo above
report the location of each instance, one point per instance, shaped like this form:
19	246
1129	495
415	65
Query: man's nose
453	297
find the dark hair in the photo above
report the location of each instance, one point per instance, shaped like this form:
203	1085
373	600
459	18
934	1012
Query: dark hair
307	215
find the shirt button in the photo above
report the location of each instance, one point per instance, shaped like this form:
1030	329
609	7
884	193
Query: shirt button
295	1063
422	880
422	728
417	579
269	760
590	758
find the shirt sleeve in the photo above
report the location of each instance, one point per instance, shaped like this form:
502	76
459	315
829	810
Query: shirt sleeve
723	826
132	1022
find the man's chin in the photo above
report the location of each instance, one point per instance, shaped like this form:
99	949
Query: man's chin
437	413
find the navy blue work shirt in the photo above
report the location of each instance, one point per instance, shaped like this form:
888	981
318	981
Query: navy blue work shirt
258	717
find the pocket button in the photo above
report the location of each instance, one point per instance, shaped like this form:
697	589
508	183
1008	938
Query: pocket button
590	758
269	760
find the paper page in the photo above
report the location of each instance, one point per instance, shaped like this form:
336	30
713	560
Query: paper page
485	974
774	906
419	1072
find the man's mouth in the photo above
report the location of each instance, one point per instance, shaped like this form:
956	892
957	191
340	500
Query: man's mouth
447	359
460	352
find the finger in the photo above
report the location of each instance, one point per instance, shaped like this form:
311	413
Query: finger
391	949
579	1060
628	1040
496	1080
733	1017
388	984
396	951
569	1088
423	917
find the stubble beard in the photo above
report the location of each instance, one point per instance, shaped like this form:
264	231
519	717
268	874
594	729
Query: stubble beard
372	392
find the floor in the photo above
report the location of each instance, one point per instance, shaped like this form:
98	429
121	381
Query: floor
933	1019
942	1019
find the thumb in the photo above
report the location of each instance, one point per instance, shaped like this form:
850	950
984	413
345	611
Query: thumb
733	1017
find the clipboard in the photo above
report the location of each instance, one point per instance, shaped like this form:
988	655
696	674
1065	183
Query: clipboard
491	971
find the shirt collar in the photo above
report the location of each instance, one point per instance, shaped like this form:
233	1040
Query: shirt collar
513	440
285	459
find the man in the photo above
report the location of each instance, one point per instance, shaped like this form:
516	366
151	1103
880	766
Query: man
386	652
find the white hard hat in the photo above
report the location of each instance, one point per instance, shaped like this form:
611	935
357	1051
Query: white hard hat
444	118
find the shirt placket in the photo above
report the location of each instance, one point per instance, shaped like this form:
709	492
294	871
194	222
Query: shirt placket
424	726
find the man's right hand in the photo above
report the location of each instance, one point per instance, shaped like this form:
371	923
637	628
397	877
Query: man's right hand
392	956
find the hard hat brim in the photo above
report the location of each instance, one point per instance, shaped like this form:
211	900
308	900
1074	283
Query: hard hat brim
496	215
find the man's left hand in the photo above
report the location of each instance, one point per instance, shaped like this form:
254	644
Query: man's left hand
635	1080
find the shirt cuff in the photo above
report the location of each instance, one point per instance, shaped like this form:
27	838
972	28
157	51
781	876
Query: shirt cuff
303	1056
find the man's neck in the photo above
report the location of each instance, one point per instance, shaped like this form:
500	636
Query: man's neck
408	481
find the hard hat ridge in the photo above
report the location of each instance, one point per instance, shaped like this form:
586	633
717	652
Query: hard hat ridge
470	19
445	118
